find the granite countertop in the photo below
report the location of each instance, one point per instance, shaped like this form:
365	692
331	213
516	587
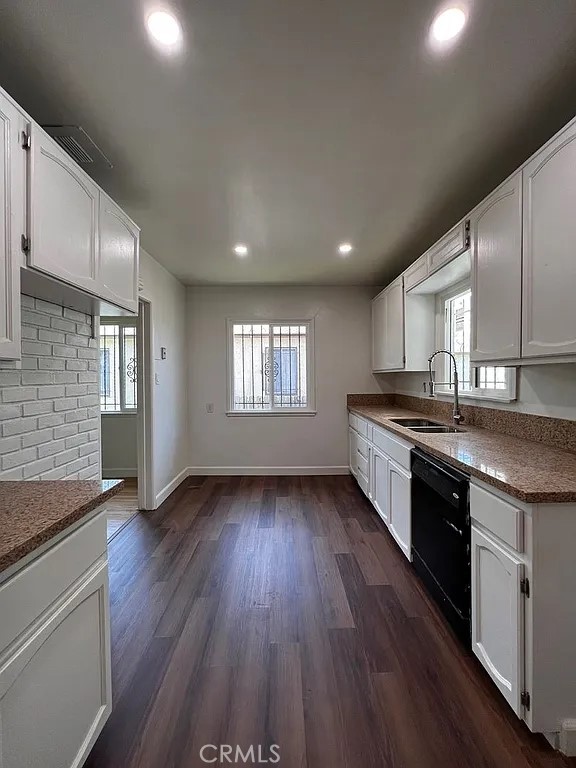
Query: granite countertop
529	471
34	511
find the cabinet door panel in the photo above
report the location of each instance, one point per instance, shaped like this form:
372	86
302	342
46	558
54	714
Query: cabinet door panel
549	274
497	615
379	333
119	252
394	352
379	484
496	242
400	507
57	681
11	228
353	450
447	248
63	215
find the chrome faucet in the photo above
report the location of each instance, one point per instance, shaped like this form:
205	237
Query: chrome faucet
456	415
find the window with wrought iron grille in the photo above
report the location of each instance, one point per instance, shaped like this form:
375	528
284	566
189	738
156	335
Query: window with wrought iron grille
270	367
118	365
454	332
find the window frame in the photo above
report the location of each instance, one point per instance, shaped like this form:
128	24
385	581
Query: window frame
122	322
273	410
442	363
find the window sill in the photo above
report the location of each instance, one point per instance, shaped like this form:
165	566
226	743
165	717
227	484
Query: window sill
119	413
303	412
447	395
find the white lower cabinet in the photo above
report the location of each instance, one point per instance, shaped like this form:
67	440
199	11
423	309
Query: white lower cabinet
379	483
498	615
55	675
400	507
353	450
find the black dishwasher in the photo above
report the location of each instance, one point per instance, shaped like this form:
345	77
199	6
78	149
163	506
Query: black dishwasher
441	537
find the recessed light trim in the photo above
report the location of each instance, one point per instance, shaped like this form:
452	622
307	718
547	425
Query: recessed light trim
345	248
448	25
164	29
240	249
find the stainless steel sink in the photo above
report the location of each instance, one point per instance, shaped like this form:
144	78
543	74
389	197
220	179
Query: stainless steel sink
440	428
411	423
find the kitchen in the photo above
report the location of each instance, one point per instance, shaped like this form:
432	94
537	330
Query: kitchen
355	444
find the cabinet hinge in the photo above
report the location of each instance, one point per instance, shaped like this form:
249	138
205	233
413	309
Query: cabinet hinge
404	359
467	233
525	587
525	700
26	140
25	244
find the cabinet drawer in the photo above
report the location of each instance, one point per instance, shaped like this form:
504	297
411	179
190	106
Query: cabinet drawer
26	596
362	445
394	447
362	464
501	518
359	424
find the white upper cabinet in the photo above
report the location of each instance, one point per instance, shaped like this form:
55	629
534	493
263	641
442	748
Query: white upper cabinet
388	328
448	247
549	274
497	615
12	196
119	254
496	245
63	215
416	273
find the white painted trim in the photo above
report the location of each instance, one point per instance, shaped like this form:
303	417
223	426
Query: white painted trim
145	411
172	485
567	738
277	412
119	473
255	471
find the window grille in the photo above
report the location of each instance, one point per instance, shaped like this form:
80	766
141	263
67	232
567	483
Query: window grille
118	366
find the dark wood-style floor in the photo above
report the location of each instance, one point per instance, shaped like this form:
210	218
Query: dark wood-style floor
271	610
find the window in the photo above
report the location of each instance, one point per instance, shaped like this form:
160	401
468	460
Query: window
270	367
455	322
118	365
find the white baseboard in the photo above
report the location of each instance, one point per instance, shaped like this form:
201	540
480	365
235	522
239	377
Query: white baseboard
567	738
172	485
339	470
118	472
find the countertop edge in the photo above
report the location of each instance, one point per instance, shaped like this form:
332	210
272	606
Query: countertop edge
536	497
27	547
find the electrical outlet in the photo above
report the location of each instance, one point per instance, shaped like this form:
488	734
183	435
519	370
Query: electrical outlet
209	407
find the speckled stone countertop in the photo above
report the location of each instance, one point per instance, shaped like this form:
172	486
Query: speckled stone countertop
529	471
33	512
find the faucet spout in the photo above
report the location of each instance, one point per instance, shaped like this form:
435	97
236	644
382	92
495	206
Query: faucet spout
456	414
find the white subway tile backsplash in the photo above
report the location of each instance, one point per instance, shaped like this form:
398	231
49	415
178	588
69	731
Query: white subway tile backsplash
49	409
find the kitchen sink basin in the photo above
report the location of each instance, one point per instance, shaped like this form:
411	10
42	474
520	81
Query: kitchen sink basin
438	428
411	423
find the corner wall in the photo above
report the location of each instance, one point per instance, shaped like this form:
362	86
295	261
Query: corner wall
277	444
169	391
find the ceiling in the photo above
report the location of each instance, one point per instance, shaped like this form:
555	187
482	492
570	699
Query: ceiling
292	126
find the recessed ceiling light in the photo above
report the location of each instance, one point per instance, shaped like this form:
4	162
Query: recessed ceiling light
241	250
345	248
164	28
448	24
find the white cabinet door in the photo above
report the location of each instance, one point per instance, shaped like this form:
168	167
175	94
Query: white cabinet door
497	615
447	248
119	255
388	328
63	215
400	507
496	243
379	483
549	271
379	333
353	450
12	197
55	684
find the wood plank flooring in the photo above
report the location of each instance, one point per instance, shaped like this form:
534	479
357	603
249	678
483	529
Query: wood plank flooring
122	507
263	610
